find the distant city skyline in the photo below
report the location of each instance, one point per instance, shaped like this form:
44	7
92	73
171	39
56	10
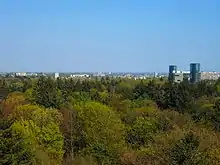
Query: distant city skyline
109	36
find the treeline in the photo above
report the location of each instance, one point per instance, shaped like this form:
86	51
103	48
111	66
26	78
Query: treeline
109	121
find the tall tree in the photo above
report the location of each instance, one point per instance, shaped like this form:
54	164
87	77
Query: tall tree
45	92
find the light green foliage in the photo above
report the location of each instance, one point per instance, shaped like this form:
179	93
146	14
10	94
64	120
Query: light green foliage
46	128
186	152
104	97
143	103
29	95
141	132
103	131
125	89
17	144
60	102
146	109
80	96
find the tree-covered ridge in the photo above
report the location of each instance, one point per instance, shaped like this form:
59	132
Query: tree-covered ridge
109	121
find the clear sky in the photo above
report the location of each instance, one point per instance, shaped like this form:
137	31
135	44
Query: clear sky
108	35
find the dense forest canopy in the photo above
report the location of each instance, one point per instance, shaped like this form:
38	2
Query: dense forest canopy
109	121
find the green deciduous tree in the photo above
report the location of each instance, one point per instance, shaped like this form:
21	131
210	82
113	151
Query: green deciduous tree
185	152
141	132
103	132
45	126
17	144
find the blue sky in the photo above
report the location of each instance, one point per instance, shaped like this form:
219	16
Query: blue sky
116	35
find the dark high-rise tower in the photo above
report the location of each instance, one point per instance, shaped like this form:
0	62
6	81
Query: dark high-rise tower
195	74
172	69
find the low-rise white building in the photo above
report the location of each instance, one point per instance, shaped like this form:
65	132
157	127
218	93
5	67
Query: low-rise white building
56	75
21	74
